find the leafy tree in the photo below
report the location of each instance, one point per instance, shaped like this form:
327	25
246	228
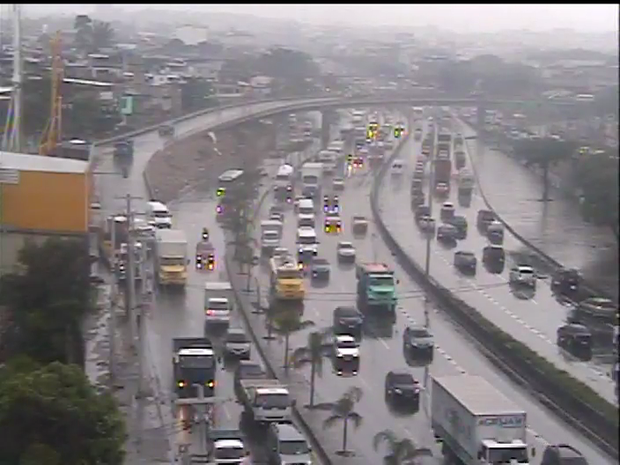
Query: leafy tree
102	35
36	104
399	451
53	414
597	178
47	300
312	354
37	453
287	64
91	36
86	118
285	322
343	410
235	70
544	153
197	94
83	27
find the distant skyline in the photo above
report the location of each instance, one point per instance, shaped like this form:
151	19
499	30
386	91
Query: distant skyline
456	17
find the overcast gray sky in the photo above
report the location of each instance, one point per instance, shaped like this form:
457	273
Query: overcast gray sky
472	17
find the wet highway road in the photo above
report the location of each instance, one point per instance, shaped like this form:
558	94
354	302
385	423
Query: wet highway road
532	320
174	315
178	314
383	352
555	227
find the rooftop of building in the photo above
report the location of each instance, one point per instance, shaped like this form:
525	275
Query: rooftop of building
42	163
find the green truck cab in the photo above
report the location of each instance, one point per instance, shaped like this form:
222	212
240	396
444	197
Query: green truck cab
376	287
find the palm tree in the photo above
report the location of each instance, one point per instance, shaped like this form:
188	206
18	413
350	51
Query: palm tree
287	321
399	451
343	410
102	35
544	153
312	354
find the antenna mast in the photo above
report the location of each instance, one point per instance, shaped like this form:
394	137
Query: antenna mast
12	138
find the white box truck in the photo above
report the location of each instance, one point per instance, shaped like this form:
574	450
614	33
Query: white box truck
476	423
171	257
311	177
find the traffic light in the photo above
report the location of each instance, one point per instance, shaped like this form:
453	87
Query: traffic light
349	159
398	132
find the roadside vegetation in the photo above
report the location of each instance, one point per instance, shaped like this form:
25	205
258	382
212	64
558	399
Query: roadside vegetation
50	413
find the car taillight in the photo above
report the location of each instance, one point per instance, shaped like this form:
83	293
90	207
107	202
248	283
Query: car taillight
209	312
218	209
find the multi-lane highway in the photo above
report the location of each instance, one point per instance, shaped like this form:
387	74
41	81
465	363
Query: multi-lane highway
530	319
180	315
383	352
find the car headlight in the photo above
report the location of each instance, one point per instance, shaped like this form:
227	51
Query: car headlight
398	391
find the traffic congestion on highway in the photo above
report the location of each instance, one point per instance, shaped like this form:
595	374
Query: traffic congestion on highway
530	309
318	252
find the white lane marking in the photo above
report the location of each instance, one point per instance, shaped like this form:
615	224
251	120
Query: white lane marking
384	343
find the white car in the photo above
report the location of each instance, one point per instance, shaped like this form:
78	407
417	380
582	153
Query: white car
338	184
346	346
398	167
346	251
237	344
524	275
280	252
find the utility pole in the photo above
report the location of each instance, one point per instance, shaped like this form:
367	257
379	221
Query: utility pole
131	272
113	297
132	310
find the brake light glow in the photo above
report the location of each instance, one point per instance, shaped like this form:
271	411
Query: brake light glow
209	312
211	265
218	209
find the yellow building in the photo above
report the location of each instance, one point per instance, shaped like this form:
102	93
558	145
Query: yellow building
44	195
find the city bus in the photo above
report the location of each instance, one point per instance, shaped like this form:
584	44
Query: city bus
228	180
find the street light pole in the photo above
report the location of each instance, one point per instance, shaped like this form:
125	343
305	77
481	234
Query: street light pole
431	189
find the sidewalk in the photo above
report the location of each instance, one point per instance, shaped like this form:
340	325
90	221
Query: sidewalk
150	443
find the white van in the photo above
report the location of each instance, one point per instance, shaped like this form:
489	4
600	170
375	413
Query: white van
306	220
328	158
398	167
285	173
307	242
336	146
158	215
305	207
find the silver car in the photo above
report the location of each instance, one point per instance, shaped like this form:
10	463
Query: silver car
237	344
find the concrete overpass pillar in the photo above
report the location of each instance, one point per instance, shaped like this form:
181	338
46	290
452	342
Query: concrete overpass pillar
481	113
327	120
